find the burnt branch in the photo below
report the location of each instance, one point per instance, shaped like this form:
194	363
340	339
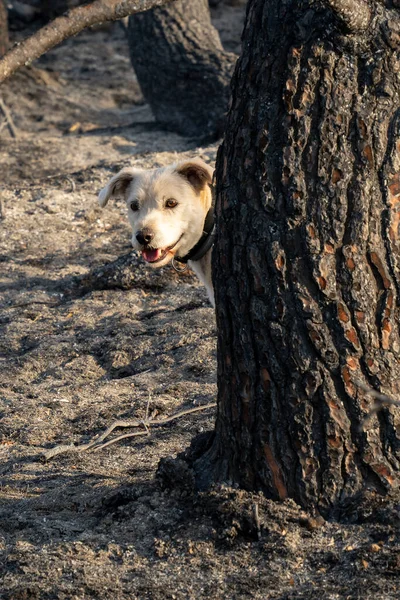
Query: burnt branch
146	424
8	119
68	25
381	400
354	14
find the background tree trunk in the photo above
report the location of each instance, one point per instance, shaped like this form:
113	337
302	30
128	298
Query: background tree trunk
3	28
53	8
306	261
181	67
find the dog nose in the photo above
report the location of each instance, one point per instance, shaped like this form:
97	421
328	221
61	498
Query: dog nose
144	236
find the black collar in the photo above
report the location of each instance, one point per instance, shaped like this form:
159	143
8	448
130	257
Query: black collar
204	243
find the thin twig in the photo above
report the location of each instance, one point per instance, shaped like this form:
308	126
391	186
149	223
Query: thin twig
381	400
22	304
96	443
8	119
257	522
80	172
121	437
71	183
57	177
148	408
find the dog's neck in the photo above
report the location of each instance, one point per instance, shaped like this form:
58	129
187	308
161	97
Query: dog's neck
199	257
205	243
202	268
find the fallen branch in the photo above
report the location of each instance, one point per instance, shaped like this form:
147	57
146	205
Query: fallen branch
147	423
8	119
70	24
257	521
381	400
29	303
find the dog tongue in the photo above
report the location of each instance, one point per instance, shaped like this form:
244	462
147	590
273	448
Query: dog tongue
152	255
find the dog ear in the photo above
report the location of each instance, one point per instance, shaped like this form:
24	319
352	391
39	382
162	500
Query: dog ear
197	173
118	185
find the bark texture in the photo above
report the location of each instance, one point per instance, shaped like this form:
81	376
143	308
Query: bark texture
181	67
306	264
354	14
3	29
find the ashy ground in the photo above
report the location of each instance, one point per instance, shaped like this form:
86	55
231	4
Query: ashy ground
89	335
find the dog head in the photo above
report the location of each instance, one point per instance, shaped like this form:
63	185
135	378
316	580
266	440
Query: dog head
166	207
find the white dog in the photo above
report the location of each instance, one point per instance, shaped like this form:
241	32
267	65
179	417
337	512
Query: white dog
171	214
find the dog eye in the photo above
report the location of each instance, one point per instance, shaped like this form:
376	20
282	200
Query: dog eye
171	203
134	206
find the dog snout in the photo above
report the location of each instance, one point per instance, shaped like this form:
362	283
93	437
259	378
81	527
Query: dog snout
145	236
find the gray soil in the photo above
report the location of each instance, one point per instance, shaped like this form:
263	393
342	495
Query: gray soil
90	335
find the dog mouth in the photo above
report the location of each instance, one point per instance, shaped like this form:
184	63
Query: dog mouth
155	255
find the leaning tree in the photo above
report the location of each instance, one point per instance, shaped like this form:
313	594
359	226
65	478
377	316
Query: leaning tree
181	66
65	26
306	261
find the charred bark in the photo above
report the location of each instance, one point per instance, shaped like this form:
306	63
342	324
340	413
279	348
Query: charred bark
181	67
306	264
51	9
3	28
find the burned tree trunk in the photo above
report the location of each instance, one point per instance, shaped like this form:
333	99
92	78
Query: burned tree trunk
3	29
181	67
306	263
51	9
